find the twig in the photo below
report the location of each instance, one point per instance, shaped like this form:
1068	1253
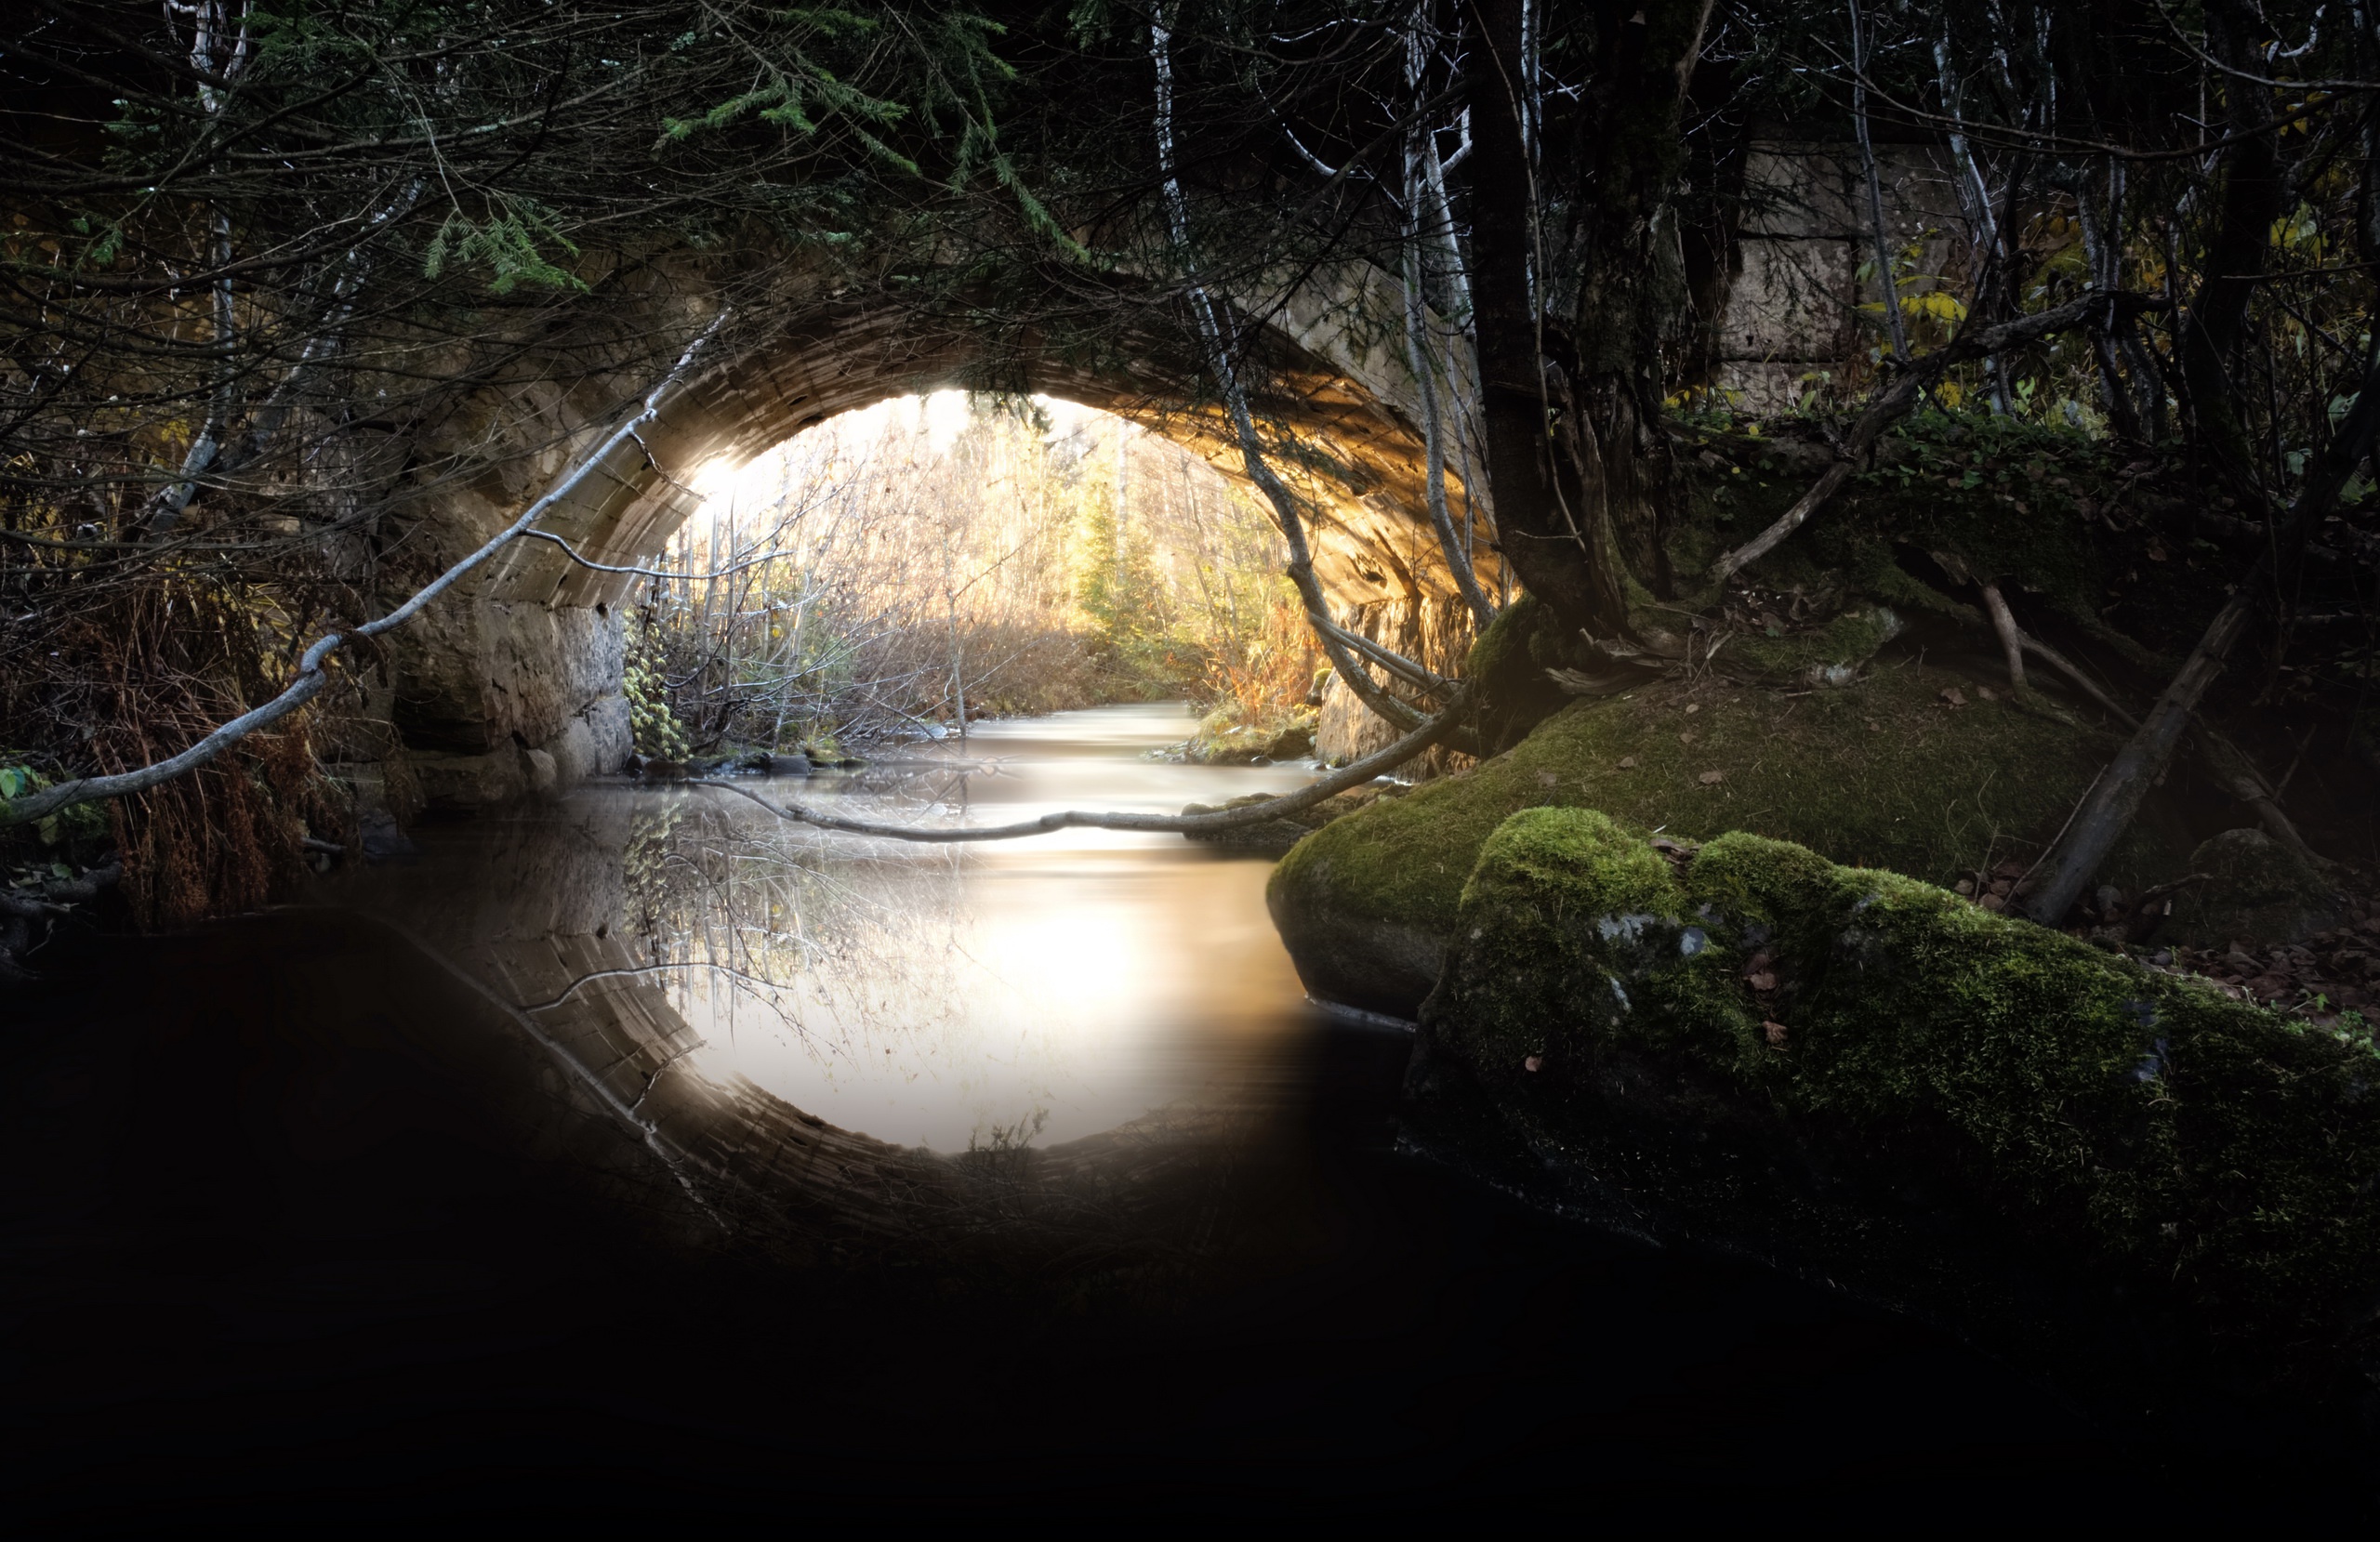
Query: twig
1900	392
2011	639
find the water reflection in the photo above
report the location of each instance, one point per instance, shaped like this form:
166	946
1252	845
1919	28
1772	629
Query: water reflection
968	997
949	997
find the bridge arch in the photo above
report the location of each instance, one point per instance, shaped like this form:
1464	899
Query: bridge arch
514	684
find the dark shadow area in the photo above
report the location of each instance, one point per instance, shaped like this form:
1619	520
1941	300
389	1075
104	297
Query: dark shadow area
273	1250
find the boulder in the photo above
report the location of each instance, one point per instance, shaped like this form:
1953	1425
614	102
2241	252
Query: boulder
466	783
1878	1082
2256	890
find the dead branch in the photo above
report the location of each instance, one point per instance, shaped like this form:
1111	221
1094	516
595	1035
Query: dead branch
1900	392
2115	798
312	676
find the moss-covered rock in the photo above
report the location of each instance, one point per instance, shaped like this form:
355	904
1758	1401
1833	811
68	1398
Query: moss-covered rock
1227	737
1916	1094
2255	890
1828	655
1884	771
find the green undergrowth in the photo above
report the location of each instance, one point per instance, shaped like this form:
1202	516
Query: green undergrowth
2067	522
2134	1120
1882	772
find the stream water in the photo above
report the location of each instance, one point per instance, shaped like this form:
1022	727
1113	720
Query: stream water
640	1152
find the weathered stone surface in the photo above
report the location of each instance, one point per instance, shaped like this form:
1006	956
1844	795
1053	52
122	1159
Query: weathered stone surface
573	754
466	783
607	725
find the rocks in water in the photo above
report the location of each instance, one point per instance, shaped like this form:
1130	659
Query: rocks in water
1879	1082
1222	741
2256	890
381	840
763	763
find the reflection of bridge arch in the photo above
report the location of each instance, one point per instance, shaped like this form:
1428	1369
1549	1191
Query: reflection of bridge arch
596	1070
529	658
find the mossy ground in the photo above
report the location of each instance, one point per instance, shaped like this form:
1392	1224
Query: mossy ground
2213	1153
1883	772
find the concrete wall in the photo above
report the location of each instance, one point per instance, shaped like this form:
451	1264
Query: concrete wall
1790	315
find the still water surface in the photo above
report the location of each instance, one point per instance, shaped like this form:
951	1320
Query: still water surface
642	1152
950	996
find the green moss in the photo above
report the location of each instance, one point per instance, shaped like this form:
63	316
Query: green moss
1828	657
2124	1118
1508	664
1882	772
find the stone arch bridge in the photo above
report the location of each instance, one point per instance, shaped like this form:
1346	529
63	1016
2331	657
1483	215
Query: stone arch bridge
512	683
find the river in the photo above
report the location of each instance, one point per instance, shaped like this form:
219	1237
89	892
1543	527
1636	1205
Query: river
640	1153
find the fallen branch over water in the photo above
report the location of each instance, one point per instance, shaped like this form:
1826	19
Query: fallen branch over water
1353	774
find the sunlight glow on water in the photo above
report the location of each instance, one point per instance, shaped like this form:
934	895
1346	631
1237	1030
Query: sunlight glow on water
1047	989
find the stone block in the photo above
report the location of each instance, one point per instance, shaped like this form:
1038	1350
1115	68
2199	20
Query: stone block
614	737
574	753
477	676
1800	190
1766	387
1791	300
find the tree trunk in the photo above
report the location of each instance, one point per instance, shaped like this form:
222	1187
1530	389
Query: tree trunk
1633	284
1539	532
2252	200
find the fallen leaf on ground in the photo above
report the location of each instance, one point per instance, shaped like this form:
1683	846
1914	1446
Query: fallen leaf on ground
1875	728
1532	1062
1763	982
1953	696
1712	778
1986	692
1775	1032
1627	762
1687	738
1693	707
1547	779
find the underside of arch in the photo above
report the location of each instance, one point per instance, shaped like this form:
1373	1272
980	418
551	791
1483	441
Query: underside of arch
515	686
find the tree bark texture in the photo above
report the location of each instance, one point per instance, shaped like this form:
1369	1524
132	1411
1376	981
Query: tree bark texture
1545	548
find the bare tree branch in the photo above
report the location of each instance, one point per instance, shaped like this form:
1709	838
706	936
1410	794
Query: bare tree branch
312	677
